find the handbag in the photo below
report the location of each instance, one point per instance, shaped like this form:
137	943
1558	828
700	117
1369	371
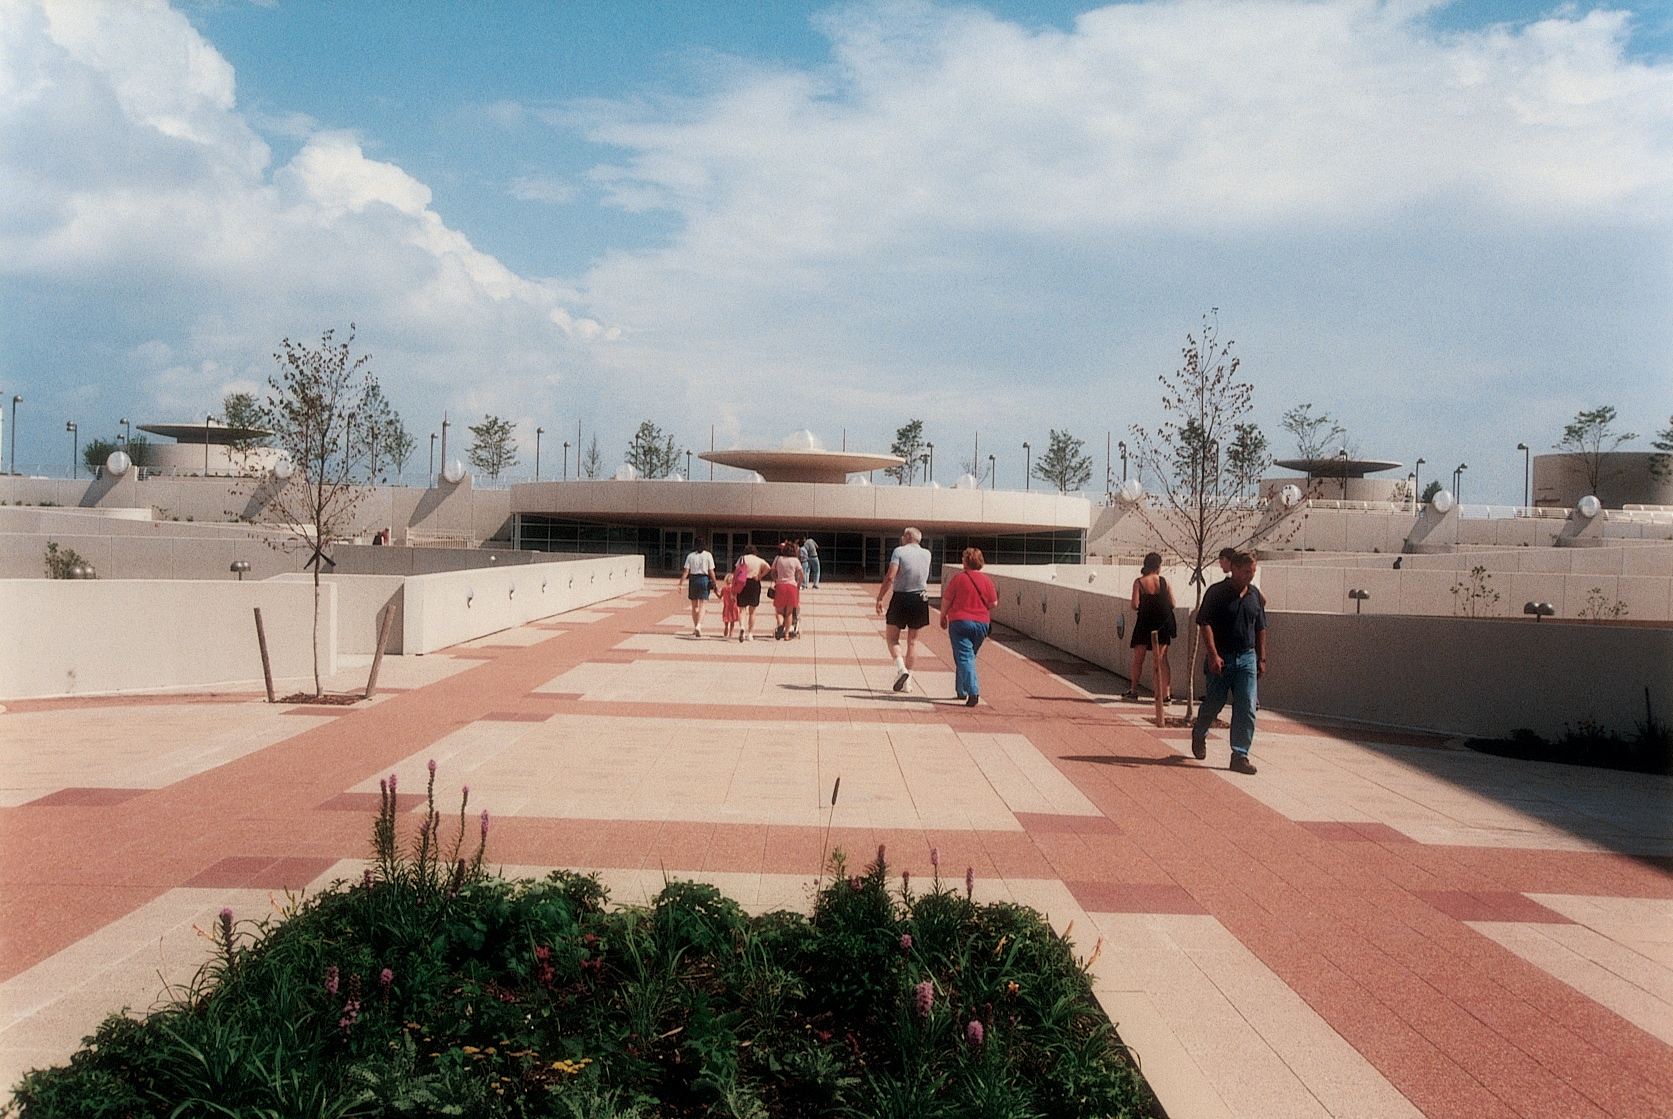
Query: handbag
772	592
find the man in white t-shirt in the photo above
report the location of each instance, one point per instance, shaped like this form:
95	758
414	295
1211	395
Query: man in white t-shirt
699	577
908	577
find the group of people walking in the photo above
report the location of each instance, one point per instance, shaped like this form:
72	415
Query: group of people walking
796	565
1231	619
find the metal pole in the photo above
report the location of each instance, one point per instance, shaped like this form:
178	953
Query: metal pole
990	472
1155	678
566	460
1122	444
266	664
16	400
538	432
1417	472
1527	474
712	448
688	466
444	426
432	458
127	433
1027	463
75	447
1109	468
206	420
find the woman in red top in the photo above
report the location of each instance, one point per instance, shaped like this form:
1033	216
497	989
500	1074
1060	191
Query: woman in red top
965	602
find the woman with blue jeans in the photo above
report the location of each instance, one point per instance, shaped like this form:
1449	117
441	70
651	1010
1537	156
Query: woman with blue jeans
965	601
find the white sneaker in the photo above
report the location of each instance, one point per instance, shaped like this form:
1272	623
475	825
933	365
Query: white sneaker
697	631
902	680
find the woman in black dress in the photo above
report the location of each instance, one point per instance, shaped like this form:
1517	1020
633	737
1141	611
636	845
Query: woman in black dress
1153	603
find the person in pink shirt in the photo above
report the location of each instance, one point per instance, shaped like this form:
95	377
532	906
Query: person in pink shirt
965	601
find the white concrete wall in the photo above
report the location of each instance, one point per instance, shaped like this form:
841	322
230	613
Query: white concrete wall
71	637
445	609
1480	677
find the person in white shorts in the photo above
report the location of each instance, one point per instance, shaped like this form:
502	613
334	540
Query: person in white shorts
699	577
908	578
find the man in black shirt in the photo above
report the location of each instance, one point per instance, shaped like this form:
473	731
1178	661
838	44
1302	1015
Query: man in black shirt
1232	619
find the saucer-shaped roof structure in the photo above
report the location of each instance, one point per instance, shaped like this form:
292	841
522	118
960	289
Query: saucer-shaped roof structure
212	432
803	465
1336	467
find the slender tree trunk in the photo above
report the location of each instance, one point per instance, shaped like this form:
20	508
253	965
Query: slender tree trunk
319	689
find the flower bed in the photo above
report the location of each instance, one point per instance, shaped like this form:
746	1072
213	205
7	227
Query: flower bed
432	988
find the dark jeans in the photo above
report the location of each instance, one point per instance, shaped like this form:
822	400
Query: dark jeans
1237	681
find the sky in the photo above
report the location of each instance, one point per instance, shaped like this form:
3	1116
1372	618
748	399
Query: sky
1446	225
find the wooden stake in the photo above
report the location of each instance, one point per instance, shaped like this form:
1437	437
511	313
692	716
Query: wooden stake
266	664
383	640
1156	678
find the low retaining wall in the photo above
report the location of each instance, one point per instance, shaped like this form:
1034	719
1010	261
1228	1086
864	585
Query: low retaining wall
74	637
1455	676
445	609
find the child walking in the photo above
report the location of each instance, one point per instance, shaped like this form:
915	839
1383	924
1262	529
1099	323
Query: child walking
730	615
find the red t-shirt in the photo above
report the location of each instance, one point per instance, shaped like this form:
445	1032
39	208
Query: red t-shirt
967	596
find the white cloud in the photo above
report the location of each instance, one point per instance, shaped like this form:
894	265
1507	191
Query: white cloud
527	188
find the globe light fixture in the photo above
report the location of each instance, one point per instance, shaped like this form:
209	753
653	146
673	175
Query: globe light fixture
117	464
1588	507
1131	491
453	473
1290	496
1443	502
284	469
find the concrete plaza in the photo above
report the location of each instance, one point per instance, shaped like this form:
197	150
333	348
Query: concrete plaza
1374	925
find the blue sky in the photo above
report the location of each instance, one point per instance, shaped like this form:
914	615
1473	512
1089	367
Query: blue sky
1447	225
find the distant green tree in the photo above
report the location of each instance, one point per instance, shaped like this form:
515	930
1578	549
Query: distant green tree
1661	465
1313	434
242	409
398	445
1064	465
493	451
1591	436
591	462
1429	492
95	451
1247	456
59	560
651	453
909	445
385	437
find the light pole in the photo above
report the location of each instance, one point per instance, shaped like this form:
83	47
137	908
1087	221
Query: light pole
75	446
1412	479
990	472
688	466
127	433
1122	447
432	458
1027	462
1417	472
16	400
931	476
1527	474
538	432
444	426
1342	457
566	460
1458	481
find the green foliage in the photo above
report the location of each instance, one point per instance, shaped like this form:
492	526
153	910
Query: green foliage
537	998
1429	492
1648	749
1313	434
1247	456
1661	463
493	451
1064	464
60	560
651	453
242	409
1591	435
95	451
1474	596
1600	607
909	444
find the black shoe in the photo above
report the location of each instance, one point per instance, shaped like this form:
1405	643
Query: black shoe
1130	697
902	680
778	634
1199	748
971	702
1242	764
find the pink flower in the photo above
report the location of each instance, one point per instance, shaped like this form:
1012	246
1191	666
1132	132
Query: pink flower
385	978
880	854
423	829
391	782
383	785
924	996
906	942
935	856
331	980
905	879
973	1032
366	879
969	881
856	883
485	823
432	767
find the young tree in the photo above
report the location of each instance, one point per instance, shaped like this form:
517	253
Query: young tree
1199	506
1313	434
1661	465
1429	492
1591	436
1246	456
1064	464
313	407
493	451
95	451
909	445
651	453
242	409
977	467
396	444
591	463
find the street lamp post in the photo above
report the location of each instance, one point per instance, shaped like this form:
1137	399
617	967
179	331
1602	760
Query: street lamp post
1027	463
1417	474
990	472
1343	456
1123	448
566	460
1527	474
206	420
1458	482
688	466
16	400
444	426
538	432
75	446
432	458
127	433
930	478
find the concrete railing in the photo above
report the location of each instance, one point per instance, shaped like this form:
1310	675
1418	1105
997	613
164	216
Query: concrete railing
445	609
73	637
1455	676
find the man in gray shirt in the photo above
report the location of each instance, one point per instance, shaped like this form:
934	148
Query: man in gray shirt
908	576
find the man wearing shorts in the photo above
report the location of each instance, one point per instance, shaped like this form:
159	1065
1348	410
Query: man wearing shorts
908	577
699	577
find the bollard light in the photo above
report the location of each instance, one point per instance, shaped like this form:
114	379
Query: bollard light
1539	610
1359	598
81	571
239	568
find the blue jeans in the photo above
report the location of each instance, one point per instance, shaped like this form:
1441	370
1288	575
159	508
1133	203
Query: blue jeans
812	566
967	638
1238	680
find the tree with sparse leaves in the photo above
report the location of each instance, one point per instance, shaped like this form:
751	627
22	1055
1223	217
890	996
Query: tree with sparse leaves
1065	463
909	444
1661	464
1313	434
314	408
1246	456
493	450
1591	436
590	463
651	453
1199	504
387	441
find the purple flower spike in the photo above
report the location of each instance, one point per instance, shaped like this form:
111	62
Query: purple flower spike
331	980
973	1032
385	978
423	829
906	942
392	782
935	856
432	767
484	822
383	785
924	997
880	854
466	791
969	881
905	879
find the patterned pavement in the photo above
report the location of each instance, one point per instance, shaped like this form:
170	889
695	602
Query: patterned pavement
1374	925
